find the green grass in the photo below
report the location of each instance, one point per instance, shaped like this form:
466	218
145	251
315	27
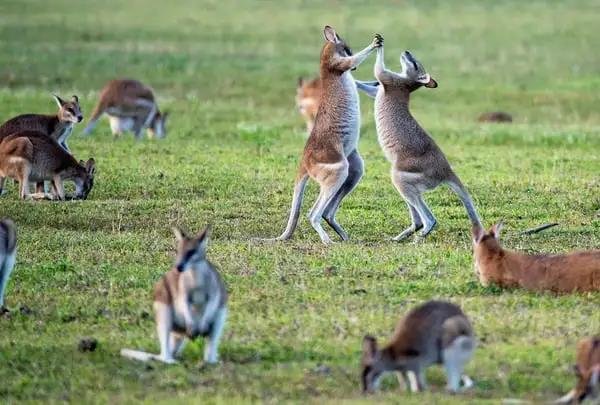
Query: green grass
227	71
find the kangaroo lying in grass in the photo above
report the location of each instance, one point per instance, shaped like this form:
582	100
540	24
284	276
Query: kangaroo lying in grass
587	370
565	273
435	332
30	156
189	301
8	253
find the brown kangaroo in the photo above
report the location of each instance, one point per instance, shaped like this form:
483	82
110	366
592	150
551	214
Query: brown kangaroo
579	271
32	156
587	370
331	156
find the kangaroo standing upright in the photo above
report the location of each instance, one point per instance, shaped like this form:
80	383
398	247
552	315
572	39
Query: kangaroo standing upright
418	164
435	332
8	253
130	106
189	301
331	156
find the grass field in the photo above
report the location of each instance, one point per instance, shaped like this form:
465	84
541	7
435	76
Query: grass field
298	310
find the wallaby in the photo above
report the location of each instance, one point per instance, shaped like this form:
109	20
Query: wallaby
418	164
31	156
587	370
435	332
189	301
8	254
331	156
579	271
308	94
59	127
130	106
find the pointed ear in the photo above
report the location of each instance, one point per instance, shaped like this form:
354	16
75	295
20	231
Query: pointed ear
75	99
369	349
58	100
495	230
179	234
478	232
330	35
300	81
90	166
203	237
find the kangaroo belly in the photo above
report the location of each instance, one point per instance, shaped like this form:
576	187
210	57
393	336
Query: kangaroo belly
120	124
349	114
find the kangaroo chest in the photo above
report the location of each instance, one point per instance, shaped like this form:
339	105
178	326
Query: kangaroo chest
194	295
61	134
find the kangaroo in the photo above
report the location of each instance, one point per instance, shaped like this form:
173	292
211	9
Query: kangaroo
189	301
59	127
331	156
587	370
32	156
564	273
130	106
308	93
418	164
8	253
435	332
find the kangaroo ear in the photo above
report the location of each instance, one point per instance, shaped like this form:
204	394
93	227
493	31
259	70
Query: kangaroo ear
90	166
300	81
58	100
330	35
478	233
369	349
75	99
495	230
204	237
179	234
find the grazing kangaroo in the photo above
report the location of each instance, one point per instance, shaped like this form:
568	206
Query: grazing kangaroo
59	127
30	156
587	370
418	164
436	332
8	254
331	156
189	301
130	106
565	273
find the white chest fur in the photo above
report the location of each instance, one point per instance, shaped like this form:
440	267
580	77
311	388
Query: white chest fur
352	114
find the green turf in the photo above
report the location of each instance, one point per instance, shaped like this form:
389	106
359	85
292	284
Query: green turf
227	71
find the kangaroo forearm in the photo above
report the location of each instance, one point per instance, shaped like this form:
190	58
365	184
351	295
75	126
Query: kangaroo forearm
369	89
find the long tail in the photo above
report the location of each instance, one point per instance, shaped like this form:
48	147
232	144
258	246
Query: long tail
139	355
456	186
96	114
296	204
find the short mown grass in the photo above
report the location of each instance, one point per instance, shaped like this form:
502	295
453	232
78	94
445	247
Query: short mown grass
298	310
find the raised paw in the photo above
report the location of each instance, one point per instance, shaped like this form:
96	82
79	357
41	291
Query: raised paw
377	41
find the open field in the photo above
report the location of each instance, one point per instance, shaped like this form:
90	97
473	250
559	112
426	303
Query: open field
298	311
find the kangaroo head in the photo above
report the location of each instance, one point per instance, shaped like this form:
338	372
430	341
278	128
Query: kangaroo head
414	74
158	126
486	245
334	47
190	249
69	111
85	181
587	369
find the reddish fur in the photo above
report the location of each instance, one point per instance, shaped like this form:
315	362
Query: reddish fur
122	93
565	273
308	94
588	360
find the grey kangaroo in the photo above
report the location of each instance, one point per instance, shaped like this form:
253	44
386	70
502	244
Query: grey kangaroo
418	164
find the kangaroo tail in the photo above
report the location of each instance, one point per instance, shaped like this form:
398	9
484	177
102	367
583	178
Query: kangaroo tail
456	186
96	114
296	204
138	355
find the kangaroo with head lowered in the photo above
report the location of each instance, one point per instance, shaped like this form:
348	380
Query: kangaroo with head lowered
30	156
8	253
130	106
189	301
418	164
587	370
436	332
331	156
